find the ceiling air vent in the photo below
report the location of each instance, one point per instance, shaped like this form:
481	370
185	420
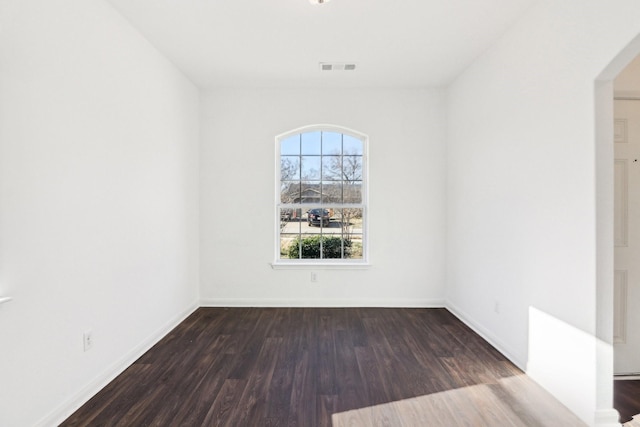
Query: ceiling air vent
337	66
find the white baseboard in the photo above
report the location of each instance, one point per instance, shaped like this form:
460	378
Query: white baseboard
73	403
607	418
486	334
328	302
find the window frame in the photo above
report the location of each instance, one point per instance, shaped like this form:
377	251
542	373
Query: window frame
325	263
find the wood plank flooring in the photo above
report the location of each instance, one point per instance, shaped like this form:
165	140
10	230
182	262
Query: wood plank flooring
626	398
321	367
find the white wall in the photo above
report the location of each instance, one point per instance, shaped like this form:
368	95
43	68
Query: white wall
522	189
98	201
406	147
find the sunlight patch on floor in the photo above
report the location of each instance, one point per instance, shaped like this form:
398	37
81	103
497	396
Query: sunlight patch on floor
514	401
635	422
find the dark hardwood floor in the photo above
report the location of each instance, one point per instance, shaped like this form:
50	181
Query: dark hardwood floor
626	398
321	367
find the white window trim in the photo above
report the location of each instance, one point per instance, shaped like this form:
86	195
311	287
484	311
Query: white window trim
324	264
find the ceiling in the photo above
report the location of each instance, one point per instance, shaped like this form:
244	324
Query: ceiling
280	43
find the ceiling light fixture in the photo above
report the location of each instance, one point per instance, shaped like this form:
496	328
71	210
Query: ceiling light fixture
319	1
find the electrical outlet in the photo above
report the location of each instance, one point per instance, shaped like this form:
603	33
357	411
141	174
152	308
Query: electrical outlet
496	307
88	340
314	276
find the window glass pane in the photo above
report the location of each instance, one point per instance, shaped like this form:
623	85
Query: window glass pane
355	247
352	192
317	218
352	168
352	145
310	246
289	221
311	143
331	143
306	227
351	221
290	145
310	192
331	192
331	168
289	168
290	192
332	226
335	247
311	166
289	246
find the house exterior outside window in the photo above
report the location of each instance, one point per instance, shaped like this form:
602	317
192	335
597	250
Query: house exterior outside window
321	197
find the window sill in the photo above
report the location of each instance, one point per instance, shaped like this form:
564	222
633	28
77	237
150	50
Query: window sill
320	265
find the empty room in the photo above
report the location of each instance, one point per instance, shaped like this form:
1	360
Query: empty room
314	213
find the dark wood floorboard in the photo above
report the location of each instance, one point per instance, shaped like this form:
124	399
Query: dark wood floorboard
626	398
302	366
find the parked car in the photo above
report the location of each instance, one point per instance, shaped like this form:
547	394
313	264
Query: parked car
318	216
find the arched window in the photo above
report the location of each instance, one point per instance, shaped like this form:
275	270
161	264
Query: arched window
321	183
